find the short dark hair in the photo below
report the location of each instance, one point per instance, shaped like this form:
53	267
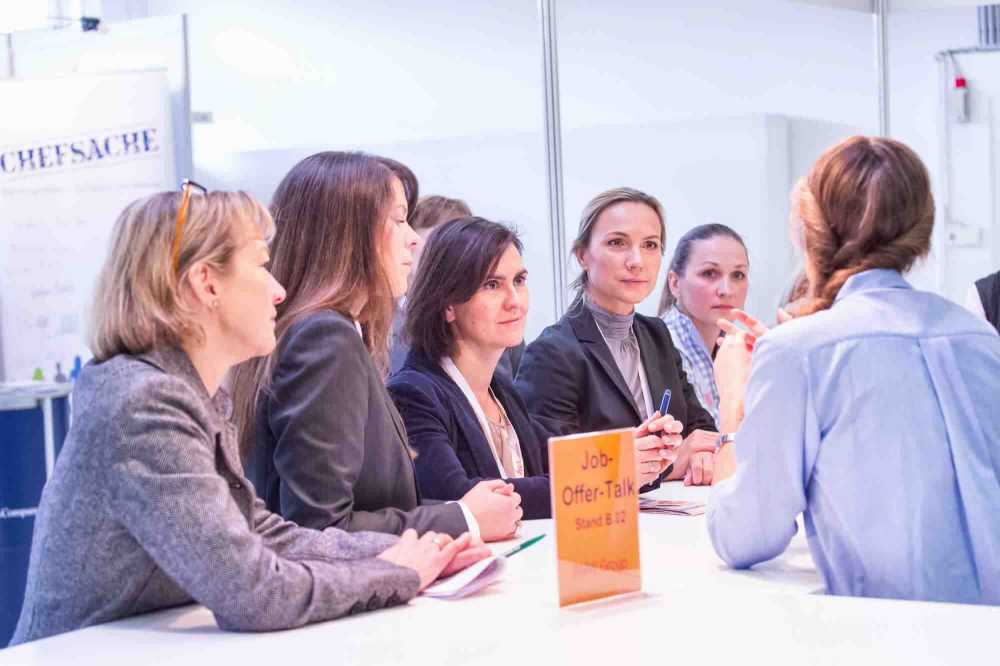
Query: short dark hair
682	254
458	258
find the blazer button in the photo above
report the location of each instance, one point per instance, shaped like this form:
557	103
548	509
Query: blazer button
236	484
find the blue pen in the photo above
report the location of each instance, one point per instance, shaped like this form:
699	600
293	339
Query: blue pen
665	402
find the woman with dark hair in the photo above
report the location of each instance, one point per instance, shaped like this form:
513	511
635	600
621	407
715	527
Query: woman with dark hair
605	366
148	507
467	306
709	275
323	443
874	412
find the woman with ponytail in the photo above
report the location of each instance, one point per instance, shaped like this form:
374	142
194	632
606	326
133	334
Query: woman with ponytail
873	412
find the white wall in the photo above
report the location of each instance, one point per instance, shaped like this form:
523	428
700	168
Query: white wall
455	90
915	38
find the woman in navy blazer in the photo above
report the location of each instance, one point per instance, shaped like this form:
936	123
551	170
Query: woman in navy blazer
464	419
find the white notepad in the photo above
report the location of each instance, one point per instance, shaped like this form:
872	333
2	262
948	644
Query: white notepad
469	580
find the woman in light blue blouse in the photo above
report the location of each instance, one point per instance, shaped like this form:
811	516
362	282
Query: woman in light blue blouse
709	276
874	415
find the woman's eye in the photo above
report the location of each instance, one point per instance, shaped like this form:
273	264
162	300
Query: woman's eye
521	279
491	284
616	242
711	274
652	245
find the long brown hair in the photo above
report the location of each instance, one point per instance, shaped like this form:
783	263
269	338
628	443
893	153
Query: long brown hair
866	204
328	211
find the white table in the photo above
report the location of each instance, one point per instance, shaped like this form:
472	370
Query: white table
692	610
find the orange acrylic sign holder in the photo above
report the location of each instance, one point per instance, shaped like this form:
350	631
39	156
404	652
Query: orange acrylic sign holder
595	504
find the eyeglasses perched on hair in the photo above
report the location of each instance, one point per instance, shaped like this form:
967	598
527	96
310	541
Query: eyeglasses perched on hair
182	213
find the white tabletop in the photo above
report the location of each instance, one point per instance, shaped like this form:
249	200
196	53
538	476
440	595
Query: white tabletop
692	608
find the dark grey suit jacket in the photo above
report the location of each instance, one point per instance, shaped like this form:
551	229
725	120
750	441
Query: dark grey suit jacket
331	447
148	508
572	384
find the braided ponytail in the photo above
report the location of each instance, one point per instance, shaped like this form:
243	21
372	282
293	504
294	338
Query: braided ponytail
866	204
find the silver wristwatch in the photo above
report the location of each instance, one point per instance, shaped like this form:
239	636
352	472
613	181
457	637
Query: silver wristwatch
723	439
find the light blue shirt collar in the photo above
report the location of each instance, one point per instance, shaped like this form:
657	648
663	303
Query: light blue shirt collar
875	278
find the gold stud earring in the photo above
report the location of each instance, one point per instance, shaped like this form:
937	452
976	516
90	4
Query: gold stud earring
215	304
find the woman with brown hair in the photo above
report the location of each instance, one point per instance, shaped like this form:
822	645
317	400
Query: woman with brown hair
874	412
148	507
323	443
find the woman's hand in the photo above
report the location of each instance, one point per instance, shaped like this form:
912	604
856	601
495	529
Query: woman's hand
433	553
655	441
732	366
497	508
700	470
696	450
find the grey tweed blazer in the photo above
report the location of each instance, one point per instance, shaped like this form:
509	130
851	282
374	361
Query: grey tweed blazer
148	508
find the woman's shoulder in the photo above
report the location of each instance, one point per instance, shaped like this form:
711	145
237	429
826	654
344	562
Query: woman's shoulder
126	389
323	323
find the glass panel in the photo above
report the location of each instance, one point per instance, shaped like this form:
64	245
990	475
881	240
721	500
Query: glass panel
453	90
714	107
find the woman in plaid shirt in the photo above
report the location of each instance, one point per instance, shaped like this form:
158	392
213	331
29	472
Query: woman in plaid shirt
709	275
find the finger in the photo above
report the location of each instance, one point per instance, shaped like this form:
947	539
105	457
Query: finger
732	329
784	316
751	323
696	471
493	484
519	513
708	472
687	477
408	536
517	498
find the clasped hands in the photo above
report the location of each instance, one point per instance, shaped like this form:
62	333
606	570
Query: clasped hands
658	443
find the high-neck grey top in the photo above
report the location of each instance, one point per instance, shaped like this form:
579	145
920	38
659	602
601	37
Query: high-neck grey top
624	346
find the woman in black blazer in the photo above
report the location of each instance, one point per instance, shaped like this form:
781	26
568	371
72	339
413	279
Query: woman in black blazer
602	365
464	418
323	443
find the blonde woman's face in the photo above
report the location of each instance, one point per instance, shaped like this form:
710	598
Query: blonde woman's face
248	296
623	257
399	241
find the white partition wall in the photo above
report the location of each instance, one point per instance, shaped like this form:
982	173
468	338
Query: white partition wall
73	152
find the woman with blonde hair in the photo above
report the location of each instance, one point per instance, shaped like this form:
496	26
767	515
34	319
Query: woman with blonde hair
324	443
148	507
873	413
603	365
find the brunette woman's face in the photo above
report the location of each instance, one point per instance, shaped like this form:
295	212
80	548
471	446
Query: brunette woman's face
715	280
398	242
493	319
248	296
623	257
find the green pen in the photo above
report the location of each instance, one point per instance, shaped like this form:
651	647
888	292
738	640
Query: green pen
520	547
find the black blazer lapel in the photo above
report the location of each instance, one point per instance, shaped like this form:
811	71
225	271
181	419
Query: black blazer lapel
652	362
530	450
593	342
472	431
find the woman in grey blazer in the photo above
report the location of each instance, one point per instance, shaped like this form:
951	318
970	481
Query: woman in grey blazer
323	442
148	507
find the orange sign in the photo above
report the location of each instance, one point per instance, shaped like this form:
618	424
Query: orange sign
595	503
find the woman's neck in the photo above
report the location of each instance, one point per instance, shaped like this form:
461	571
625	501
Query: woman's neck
610	305
210	364
477	365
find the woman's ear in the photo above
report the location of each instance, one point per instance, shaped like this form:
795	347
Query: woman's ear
581	257
449	315
203	285
672	283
